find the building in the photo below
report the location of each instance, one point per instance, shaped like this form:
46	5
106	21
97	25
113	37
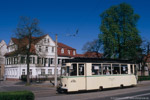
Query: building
90	55
3	50
65	52
42	60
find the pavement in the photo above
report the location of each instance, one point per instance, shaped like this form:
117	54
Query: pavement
46	91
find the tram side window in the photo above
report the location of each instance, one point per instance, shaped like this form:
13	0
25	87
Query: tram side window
63	71
96	69
131	69
124	69
106	69
73	70
115	69
81	69
135	70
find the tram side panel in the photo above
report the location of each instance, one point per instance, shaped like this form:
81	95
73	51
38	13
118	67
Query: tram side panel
108	81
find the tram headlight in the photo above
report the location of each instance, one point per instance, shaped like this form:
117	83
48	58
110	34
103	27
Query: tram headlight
65	85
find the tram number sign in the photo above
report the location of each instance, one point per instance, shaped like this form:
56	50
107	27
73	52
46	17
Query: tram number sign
73	81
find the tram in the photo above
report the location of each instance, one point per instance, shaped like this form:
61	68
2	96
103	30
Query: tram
95	73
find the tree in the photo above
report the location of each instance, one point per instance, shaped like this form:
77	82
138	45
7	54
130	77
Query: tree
144	55
27	28
93	46
120	36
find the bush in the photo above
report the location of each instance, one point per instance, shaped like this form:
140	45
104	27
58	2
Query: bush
24	78
142	78
17	95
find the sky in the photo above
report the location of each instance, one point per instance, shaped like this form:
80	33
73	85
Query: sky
64	17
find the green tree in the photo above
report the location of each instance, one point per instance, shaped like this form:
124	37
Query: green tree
120	36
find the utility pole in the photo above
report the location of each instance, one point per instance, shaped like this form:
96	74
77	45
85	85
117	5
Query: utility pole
56	61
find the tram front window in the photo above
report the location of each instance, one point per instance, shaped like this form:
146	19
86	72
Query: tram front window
73	70
64	71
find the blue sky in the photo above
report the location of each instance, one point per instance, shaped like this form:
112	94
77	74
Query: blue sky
66	16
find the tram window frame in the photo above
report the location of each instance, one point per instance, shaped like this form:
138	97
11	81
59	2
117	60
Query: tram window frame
73	70
116	68
135	69
131	69
105	69
96	69
83	70
122	69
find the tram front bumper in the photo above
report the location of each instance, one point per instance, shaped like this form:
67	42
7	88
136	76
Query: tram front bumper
61	89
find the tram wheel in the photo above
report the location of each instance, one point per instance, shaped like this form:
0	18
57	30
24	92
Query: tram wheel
101	88
121	86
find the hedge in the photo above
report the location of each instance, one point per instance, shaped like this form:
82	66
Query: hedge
17	95
142	78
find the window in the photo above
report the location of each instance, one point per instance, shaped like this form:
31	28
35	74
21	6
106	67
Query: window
49	61
74	53
81	69
124	69
131	69
23	60
45	62
15	60
62	50
106	69
45	40
69	52
49	71
39	60
23	71
52	60
30	71
52	49
96	69
59	61
46	49
42	71
30	60
33	60
73	70
115	68
39	48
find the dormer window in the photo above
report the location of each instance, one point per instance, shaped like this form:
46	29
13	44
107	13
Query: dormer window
62	50
45	40
74	52
69	52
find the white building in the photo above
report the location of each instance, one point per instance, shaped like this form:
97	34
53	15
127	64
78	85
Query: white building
41	61
3	50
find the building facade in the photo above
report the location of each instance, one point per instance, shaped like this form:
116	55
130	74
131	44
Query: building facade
3	50
42	60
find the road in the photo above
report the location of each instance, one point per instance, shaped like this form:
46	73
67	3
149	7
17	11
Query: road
45	91
140	92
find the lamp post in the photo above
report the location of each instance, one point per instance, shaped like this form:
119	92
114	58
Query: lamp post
55	61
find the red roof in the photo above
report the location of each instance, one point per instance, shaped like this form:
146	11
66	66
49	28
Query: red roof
66	48
61	45
90	55
22	43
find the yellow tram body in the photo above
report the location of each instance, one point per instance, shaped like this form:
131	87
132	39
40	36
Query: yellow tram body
99	74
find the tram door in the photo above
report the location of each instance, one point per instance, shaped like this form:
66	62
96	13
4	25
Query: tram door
0	72
81	77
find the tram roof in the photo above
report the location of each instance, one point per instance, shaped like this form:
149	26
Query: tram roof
97	60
